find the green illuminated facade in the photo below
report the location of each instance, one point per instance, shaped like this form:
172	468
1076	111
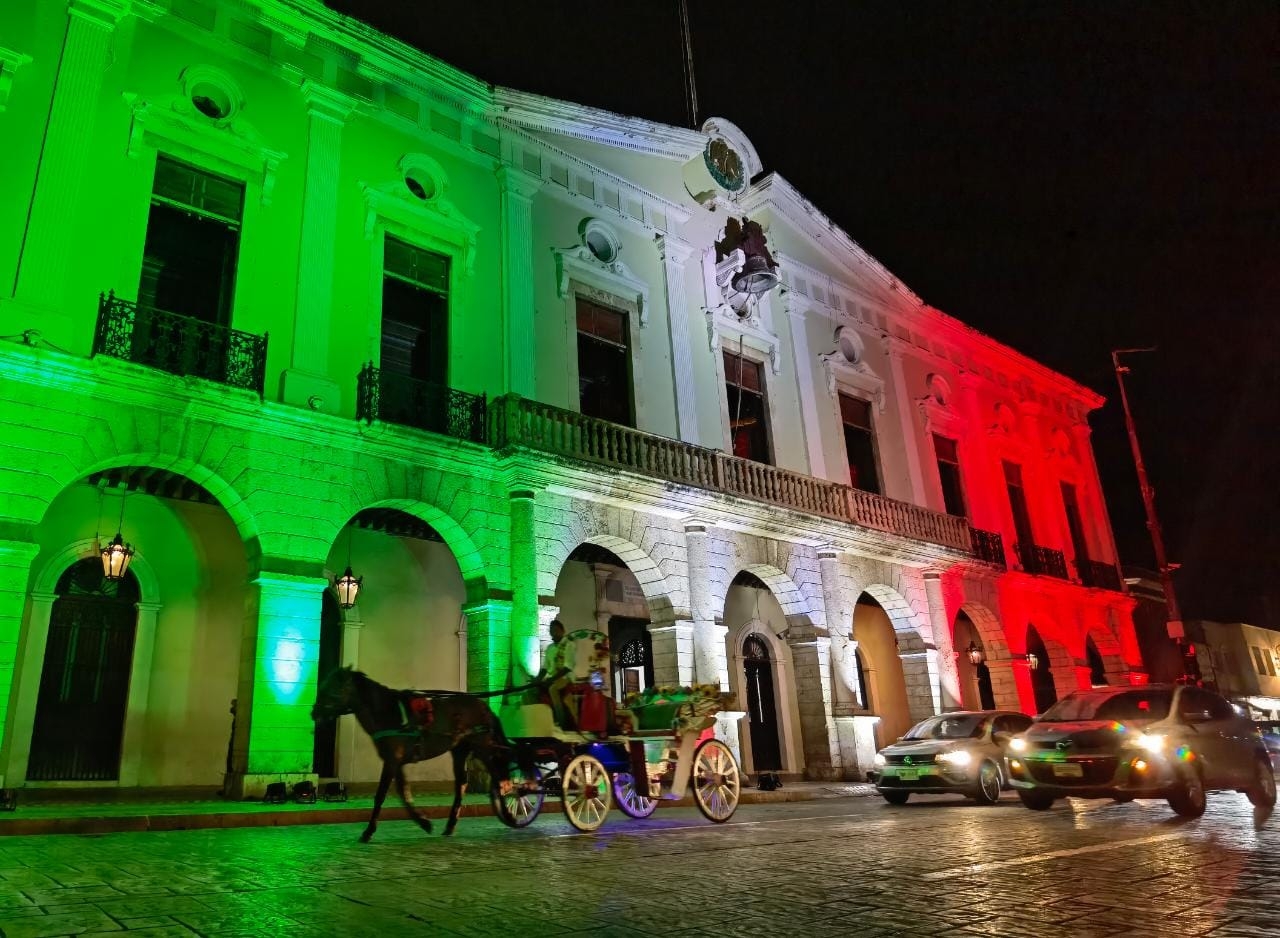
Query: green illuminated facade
280	295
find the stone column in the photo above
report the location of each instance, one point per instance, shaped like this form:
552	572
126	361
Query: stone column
918	669
710	665
1009	691
517	191
52	234
601	574
910	439
982	478
675	254
811	663
1094	504
1048	516
348	730
279	657
139	695
947	694
845	692
524	587
546	612
488	644
306	382
672	644
15	572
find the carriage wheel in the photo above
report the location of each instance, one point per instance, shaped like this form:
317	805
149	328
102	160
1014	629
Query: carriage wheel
521	805
585	793
632	804
716	781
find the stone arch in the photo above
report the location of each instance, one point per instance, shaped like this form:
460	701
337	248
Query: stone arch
47	578
1109	649
906	624
226	496
994	645
794	605
459	541
653	582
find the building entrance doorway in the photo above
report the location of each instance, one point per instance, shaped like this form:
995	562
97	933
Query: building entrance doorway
761	710
325	755
84	685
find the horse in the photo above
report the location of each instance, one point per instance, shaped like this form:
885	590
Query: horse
412	726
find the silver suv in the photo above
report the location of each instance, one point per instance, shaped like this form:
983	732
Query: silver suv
1162	741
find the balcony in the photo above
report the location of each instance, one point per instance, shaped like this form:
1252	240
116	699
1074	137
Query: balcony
988	546
409	402
1099	575
180	345
519	422
1042	561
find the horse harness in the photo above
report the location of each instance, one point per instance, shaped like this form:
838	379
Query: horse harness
417	718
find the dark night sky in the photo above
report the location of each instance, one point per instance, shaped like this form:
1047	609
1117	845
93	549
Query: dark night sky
1067	177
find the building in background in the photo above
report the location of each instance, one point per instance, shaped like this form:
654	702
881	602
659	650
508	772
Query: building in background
1163	658
1243	663
284	297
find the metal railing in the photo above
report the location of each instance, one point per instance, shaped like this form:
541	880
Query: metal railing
988	546
515	421
1098	574
180	345
410	402
1042	561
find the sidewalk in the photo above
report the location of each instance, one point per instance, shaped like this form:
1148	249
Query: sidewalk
46	811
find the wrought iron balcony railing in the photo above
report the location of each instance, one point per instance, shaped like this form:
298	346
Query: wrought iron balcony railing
180	345
1043	561
988	546
410	402
519	422
1098	574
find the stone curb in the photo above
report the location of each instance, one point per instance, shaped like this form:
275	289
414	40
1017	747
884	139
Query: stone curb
254	815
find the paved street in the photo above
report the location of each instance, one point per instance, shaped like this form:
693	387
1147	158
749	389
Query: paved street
848	866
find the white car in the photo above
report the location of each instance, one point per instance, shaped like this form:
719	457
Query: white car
960	753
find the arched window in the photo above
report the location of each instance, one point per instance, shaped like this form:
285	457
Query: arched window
864	689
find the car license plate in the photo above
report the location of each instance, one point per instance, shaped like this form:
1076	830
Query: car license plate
1068	770
908	775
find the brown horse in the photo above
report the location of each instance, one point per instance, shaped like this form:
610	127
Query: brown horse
413	726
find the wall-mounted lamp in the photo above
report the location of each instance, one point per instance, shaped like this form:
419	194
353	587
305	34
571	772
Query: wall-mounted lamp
975	654
348	585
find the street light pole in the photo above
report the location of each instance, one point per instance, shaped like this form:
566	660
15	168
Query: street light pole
1174	615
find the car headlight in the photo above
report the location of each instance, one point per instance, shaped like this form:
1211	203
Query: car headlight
1018	744
959	758
1151	742
879	759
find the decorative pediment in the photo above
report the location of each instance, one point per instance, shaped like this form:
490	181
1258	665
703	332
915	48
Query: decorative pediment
173	124
10	62
727	327
433	222
578	265
856	374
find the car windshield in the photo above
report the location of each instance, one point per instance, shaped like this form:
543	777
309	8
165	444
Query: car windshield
1127	705
948	727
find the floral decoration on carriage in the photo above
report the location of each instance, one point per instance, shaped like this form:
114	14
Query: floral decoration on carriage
684	709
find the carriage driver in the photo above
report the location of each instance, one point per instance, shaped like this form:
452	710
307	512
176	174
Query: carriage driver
557	671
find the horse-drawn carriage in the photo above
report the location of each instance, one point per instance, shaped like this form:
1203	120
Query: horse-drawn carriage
654	748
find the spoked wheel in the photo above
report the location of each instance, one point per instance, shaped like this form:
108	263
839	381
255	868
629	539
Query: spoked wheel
585	793
632	804
716	781
522	802
988	790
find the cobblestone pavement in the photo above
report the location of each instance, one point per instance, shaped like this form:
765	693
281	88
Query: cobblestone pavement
849	867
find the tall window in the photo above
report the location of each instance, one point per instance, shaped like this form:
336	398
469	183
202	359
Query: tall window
748	425
859	443
949	475
415	313
1018	503
604	364
1071	503
193	236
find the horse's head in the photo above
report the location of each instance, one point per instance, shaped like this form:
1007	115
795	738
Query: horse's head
336	695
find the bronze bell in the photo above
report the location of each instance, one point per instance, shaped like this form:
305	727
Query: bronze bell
756	276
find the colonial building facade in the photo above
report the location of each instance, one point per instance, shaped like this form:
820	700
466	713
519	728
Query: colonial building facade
284	297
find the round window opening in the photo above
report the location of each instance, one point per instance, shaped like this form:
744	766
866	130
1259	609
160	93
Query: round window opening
421	185
601	247
850	346
211	101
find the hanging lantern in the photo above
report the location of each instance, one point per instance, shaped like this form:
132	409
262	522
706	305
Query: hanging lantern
115	559
975	654
1033	660
348	587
